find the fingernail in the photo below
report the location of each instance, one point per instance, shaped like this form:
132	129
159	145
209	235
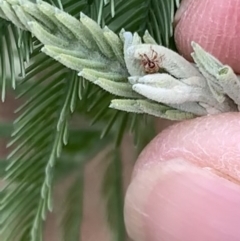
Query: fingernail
183	7
176	200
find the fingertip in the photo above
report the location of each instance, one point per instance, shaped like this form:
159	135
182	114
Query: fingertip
206	147
214	24
176	200
210	141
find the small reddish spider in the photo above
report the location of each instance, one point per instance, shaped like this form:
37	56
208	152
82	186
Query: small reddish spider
151	64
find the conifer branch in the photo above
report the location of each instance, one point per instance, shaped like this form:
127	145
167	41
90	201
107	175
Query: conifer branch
97	54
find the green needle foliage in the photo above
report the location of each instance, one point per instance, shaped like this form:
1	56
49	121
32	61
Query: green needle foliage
13	41
60	65
72	206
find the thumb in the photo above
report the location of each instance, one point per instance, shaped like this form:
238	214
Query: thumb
214	24
186	183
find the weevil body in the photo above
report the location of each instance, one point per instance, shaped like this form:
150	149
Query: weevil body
151	64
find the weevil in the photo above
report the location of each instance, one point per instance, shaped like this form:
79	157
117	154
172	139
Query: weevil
151	64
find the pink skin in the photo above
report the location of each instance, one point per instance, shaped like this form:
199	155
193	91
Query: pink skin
214	24
185	185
